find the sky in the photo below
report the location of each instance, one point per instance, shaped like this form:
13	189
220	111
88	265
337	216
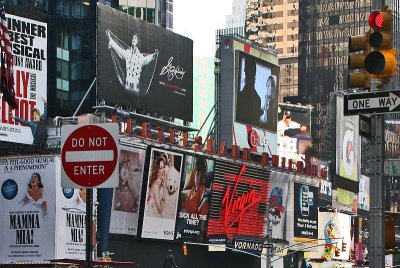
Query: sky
198	20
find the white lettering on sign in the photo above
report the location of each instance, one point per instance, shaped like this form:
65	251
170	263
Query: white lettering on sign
99	141
391	102
78	142
89	170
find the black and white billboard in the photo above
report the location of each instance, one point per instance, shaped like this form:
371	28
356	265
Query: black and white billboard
143	66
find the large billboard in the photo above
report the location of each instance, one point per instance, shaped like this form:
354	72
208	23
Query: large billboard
29	48
143	66
195	198
294	133
28	208
348	144
162	195
126	199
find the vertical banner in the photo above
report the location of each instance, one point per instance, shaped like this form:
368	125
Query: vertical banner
28	206
278	203
162	194
392	139
195	199
71	222
363	194
126	200
29	48
305	212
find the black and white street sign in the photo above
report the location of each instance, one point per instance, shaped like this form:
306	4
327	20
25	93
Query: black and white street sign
372	102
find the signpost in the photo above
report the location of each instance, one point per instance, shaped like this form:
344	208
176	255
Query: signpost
372	102
89	156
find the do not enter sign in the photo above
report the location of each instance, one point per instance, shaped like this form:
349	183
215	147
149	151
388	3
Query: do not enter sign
89	156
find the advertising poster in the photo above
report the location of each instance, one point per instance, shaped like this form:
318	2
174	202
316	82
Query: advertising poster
392	139
162	195
126	199
29	48
278	203
28	208
195	199
324	182
71	222
305	211
256	139
334	234
348	144
146	66
294	134
257	93
363	194
345	200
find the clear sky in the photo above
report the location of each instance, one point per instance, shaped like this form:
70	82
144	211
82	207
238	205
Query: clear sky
198	20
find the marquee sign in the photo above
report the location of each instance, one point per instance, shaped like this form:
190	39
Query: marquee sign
238	204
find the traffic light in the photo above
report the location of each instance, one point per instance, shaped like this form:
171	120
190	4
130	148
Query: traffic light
362	78
382	61
184	249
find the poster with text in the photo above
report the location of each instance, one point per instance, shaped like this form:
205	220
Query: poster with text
162	194
29	48
28	206
345	200
278	203
348	144
126	199
392	139
195	199
363	194
71	222
305	211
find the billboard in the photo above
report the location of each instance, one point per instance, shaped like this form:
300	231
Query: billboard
305	211
294	133
392	139
363	194
29	48
28	208
126	198
278	203
348	144
195	197
257	92
143	66
162	194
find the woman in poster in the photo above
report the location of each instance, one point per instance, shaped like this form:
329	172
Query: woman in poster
269	108
35	193
157	190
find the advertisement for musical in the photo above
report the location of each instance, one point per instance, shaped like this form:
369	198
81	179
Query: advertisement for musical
294	133
71	222
305	211
348	144
143	65
28	208
195	197
162	194
29	49
334	234
278	203
126	198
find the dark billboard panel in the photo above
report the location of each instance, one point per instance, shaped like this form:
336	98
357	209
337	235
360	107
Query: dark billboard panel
392	139
143	66
195	198
257	92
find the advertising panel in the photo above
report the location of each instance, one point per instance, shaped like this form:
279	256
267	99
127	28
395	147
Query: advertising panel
126	200
143	66
345	200
294	133
195	198
71	222
162	194
257	92
348	144
324	181
305	211
363	194
335	237
29	48
238	202
278	203
28	208
392	139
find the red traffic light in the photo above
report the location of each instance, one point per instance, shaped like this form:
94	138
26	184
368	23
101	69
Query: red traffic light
376	20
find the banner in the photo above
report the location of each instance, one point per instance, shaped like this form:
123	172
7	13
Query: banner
392	139
195	199
29	48
126	200
363	194
28	208
278	203
305	211
143	65
162	194
345	200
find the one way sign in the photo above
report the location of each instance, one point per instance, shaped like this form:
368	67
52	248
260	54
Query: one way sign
372	102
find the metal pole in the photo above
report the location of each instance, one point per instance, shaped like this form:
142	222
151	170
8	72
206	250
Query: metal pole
89	218
84	97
